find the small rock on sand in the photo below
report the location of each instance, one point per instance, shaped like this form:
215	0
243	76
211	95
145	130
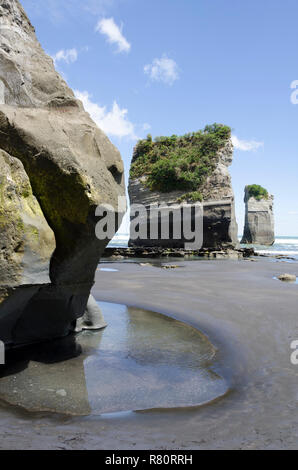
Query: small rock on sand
287	277
171	266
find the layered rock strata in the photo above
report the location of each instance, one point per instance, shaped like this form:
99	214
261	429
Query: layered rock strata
259	220
220	228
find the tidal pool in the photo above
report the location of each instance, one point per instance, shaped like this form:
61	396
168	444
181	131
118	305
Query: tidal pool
142	360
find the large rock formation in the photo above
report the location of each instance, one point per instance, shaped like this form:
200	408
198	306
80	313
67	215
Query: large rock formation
203	158
259	218
56	168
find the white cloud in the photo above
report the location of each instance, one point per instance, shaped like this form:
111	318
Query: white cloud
108	27
246	145
113	122
163	70
69	56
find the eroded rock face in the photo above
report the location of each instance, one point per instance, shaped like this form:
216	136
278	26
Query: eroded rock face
259	221
27	74
220	228
50	145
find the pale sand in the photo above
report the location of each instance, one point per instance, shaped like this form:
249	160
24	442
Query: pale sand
250	317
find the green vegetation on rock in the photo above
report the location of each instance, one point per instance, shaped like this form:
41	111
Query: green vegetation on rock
194	196
257	191
179	162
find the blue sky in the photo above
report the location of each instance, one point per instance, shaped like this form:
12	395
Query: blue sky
172	66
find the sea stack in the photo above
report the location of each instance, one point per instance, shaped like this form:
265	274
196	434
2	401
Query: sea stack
56	168
259	218
182	171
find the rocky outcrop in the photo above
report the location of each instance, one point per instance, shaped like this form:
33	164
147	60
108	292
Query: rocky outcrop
56	168
219	221
259	219
287	277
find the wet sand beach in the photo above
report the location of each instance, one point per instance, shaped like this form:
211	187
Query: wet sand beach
248	316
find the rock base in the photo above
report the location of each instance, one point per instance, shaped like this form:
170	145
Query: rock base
160	252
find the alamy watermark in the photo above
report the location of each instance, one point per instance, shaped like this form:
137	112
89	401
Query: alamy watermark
2	353
294	355
182	222
294	94
294	344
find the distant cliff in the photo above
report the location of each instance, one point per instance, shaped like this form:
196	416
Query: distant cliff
259	218
184	170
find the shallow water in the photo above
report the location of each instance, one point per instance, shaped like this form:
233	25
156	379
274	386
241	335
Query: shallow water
109	270
142	360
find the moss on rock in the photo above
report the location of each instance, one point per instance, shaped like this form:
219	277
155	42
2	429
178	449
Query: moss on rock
25	237
194	196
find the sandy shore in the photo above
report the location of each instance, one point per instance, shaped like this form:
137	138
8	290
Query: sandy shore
250	317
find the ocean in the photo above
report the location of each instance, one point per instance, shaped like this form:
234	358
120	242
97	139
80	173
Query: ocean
120	240
287	246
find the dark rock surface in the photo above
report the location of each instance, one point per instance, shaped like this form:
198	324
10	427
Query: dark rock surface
160	252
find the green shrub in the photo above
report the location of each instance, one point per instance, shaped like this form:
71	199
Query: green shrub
179	163
257	191
195	196
162	176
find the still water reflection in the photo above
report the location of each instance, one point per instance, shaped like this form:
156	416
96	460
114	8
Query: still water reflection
142	360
